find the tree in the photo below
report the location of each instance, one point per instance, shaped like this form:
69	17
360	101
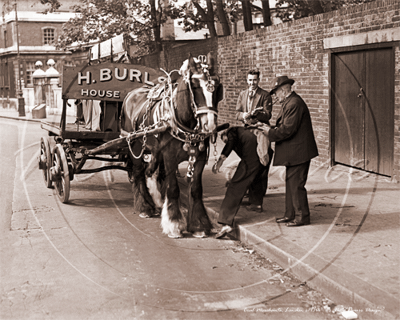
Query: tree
266	13
99	20
296	9
54	5
199	14
247	16
223	18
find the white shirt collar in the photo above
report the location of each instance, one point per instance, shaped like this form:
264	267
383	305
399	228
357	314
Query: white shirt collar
288	94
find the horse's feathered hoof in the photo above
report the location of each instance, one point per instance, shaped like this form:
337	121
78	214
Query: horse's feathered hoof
199	234
144	215
175	235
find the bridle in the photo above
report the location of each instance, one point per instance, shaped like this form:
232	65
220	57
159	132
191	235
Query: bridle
210	87
192	138
195	134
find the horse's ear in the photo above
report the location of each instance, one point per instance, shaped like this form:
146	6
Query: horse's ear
211	63
192	63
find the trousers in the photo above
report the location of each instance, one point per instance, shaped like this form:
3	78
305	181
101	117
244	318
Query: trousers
296	202
250	175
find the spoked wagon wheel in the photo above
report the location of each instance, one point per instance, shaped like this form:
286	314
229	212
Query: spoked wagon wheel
61	173
45	160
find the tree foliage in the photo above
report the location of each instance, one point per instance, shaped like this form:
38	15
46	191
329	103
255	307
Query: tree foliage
198	14
99	20
54	5
296	9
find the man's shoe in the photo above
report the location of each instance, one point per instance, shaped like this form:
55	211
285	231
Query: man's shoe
283	220
255	208
297	224
224	230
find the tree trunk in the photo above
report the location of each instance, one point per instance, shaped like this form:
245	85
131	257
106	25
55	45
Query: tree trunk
247	18
208	17
315	6
155	25
222	18
266	13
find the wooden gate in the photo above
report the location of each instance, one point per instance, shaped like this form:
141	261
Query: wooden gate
363	109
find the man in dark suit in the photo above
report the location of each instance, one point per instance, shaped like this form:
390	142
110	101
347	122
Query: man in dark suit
254	105
295	146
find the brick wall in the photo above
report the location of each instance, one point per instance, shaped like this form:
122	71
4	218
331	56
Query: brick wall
31	33
297	50
174	54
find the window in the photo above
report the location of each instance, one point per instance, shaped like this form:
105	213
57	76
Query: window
48	36
69	64
5	39
30	69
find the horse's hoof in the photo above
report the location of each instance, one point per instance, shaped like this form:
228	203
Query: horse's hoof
175	235
157	212
199	234
144	215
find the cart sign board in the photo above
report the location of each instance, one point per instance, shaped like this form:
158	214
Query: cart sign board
107	81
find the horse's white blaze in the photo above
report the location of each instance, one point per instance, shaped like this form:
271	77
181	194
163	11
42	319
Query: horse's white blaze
170	227
209	122
152	185
207	94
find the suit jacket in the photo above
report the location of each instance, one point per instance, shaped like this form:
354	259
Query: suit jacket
293	133
261	98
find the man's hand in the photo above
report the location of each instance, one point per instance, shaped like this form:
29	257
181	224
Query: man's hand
246	116
218	164
256	111
265	129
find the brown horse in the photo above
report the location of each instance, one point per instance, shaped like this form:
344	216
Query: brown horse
177	121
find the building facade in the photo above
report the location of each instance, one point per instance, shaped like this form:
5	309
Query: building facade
27	35
346	65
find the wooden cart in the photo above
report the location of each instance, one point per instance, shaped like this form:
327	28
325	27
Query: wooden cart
67	147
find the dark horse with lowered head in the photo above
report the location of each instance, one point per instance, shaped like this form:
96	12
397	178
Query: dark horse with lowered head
176	121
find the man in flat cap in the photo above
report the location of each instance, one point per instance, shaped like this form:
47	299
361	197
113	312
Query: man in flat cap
254	106
295	146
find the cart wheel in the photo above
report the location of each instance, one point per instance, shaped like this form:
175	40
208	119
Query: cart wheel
45	160
62	177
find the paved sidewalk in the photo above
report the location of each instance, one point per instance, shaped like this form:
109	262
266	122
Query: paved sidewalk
13	114
350	252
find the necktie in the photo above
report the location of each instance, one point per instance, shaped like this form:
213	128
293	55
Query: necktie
250	100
